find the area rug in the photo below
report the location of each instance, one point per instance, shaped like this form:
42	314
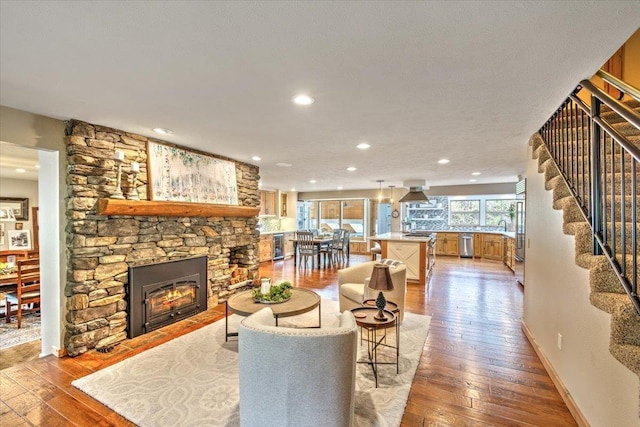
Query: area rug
193	379
11	336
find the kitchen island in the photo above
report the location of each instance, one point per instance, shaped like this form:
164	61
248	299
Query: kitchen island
416	251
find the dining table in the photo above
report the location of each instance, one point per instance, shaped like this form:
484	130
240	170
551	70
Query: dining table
318	241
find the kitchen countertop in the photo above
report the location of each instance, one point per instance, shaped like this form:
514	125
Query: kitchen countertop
276	232
402	237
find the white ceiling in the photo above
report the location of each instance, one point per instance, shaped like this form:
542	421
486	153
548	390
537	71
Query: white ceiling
419	81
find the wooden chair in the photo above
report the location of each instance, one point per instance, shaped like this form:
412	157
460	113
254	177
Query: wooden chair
306	247
331	250
343	246
27	290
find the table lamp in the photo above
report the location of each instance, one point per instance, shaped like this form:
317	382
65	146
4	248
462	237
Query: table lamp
380	281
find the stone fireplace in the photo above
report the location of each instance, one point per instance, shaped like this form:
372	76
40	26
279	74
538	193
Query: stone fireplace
103	247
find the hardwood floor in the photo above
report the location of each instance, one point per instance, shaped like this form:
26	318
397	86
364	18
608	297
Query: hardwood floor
477	367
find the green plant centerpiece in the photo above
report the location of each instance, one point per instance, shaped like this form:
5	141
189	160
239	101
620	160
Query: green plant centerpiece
277	293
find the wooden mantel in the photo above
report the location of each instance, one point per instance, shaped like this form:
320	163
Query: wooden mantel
149	208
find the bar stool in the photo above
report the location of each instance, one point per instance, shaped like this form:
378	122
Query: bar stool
375	251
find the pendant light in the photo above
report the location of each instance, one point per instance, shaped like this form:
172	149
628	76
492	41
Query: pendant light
379	181
391	193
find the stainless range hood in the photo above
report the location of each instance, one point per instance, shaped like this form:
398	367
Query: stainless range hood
415	194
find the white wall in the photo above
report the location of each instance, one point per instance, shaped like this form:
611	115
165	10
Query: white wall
556	300
46	134
20	188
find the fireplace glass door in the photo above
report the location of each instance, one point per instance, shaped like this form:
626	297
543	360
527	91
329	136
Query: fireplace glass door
169	301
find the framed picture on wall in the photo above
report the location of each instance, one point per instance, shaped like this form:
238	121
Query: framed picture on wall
19	240
1	233
181	175
14	208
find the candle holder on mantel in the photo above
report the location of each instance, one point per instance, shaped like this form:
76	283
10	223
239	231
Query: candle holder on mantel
133	190
117	194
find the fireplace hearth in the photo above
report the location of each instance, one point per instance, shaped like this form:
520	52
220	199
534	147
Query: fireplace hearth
164	293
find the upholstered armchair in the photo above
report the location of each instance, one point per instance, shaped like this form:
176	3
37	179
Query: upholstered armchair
353	281
296	377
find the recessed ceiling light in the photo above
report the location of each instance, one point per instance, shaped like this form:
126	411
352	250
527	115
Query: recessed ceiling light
363	146
256	158
37	166
312	181
339	188
293	189
351	168
303	99
475	173
20	170
443	161
163	131
472	180
284	165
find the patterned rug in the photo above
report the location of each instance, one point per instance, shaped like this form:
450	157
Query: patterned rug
11	336
193	379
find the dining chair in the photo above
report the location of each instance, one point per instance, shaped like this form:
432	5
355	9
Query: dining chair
343	245
330	250
27	289
306	247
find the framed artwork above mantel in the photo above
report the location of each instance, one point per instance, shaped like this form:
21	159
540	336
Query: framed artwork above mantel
180	175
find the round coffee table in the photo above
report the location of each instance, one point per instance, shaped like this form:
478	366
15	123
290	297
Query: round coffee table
243	304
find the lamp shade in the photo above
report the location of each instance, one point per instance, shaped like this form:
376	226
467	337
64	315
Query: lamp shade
381	278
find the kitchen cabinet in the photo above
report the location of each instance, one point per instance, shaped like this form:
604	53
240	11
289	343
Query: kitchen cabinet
356	247
288	243
492	246
448	244
477	245
268	205
409	253
283	204
509	252
265	248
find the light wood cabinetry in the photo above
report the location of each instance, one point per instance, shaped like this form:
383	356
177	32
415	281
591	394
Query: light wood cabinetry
356	247
288	243
448	244
265	248
268	205
477	245
492	246
509	252
283	204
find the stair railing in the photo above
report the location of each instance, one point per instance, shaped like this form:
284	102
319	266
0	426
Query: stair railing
599	164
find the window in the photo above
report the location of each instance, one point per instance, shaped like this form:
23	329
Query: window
329	216
353	217
464	212
498	210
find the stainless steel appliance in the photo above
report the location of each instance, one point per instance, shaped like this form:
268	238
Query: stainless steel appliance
521	239
466	245
278	246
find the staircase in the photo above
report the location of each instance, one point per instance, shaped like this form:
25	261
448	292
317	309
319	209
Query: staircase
595	181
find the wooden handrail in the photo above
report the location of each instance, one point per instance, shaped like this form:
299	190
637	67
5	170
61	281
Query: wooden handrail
173	209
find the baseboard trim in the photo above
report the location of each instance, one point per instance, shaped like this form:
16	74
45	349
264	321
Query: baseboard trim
564	393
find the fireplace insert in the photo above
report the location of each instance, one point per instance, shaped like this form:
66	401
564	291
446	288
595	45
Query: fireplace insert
164	293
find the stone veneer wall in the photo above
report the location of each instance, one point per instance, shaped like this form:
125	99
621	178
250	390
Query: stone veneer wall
101	248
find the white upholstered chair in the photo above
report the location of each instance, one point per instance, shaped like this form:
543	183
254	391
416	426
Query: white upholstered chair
352	282
296	377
